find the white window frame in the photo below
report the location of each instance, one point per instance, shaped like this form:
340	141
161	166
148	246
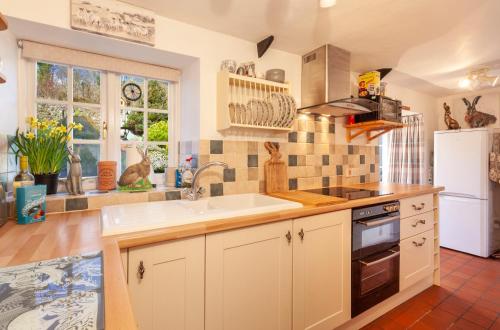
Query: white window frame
110	111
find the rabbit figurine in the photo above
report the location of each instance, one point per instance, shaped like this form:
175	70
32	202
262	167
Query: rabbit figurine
448	120
74	178
136	172
477	118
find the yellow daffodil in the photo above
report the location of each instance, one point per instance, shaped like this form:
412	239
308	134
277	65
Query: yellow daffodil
79	127
30	135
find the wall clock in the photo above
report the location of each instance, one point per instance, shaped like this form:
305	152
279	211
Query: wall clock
132	91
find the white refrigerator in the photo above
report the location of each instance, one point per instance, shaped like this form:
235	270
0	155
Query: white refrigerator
470	202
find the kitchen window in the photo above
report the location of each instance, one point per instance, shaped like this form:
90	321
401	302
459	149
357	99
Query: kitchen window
71	94
144	119
118	112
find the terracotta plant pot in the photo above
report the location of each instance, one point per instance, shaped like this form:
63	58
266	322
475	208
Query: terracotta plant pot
106	175
50	180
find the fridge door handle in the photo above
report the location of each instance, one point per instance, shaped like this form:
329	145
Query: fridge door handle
460	195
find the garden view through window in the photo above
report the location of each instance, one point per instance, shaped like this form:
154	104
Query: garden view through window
71	94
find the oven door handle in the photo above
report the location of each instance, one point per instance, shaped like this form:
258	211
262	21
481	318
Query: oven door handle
369	264
379	222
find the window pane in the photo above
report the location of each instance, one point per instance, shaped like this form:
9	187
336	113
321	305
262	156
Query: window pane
55	112
91	121
52	81
132	91
157	95
157	127
86	86
64	171
132	125
89	154
158	155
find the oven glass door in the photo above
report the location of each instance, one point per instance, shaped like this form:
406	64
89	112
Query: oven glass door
374	279
374	235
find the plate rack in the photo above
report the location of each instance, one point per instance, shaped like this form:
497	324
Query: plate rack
233	89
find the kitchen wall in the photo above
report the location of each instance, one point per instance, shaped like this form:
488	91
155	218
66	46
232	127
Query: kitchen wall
8	91
316	150
179	38
313	157
489	103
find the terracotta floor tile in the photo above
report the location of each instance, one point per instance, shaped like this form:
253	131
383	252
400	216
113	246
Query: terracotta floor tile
466	325
439	319
468	298
480	316
496	325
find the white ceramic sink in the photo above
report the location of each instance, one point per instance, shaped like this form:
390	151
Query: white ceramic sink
120	219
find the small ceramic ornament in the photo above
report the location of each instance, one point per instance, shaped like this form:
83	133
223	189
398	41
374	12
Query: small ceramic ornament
475	118
135	177
74	178
448	120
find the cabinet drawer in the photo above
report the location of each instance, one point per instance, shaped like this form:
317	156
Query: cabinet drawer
416	224
417	258
416	205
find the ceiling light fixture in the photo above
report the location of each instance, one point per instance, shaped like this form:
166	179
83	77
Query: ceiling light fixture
327	3
478	78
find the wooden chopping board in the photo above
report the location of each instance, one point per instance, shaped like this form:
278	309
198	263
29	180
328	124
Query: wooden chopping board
275	170
308	198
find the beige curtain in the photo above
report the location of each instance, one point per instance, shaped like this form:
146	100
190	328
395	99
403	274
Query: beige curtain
406	152
37	51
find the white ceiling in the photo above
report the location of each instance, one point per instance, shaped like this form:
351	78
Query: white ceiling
434	42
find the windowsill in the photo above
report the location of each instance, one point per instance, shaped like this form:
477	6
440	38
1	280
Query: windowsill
95	200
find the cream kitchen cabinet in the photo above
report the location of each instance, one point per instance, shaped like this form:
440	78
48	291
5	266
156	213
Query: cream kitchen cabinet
322	270
170	294
417	259
249	278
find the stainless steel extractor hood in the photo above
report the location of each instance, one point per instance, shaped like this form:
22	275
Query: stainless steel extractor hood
326	84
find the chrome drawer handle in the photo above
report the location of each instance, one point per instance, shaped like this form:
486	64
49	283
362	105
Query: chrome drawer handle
141	270
418	208
288	237
368	264
417	222
301	234
420	244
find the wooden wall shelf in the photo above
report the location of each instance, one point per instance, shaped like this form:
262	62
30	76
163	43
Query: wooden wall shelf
372	129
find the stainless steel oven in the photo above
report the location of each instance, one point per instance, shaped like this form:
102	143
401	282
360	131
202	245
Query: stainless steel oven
375	255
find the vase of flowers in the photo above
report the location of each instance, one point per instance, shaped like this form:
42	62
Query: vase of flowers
45	144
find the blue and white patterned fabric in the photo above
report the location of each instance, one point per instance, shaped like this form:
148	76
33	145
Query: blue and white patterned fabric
63	293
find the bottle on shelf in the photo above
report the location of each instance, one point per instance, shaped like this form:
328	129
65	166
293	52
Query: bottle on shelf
24	177
187	173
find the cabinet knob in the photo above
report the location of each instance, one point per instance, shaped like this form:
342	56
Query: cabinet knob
301	234
418	208
417	222
288	236
141	270
421	243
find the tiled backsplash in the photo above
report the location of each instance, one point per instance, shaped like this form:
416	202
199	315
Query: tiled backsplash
314	160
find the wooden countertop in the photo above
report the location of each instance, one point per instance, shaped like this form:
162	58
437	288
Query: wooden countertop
75	233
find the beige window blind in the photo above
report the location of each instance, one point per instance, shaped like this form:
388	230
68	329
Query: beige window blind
38	51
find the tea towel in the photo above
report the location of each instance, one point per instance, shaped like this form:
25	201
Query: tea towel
495	159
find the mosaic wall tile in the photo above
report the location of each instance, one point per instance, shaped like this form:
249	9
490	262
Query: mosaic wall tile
216	147
229	175
216	189
172	195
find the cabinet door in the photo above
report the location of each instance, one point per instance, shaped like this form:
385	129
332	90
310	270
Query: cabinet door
171	293
249	278
417	259
322	271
